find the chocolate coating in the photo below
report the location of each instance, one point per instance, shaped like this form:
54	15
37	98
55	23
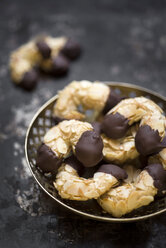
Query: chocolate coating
114	170
76	164
44	49
112	100
71	49
46	160
115	125
29	80
89	149
143	161
96	127
57	119
60	65
148	141
158	174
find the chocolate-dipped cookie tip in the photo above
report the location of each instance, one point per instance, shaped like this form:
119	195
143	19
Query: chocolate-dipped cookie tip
157	172
60	65
44	49
29	80
89	149
114	170
46	159
112	100
71	49
148	141
75	163
115	125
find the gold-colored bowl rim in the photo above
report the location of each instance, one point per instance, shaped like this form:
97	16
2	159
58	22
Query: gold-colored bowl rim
91	216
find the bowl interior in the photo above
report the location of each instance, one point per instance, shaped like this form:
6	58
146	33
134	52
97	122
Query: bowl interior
40	124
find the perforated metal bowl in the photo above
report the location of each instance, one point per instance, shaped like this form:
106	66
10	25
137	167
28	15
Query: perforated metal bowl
40	124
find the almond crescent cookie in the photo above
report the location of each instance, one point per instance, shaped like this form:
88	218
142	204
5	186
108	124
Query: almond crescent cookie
73	187
95	96
47	53
151	132
132	195
73	135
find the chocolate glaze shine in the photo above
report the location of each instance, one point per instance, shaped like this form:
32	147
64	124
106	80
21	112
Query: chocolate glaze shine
114	170
89	148
114	126
158	174
46	160
148	141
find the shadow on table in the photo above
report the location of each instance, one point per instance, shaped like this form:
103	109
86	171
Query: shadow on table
66	229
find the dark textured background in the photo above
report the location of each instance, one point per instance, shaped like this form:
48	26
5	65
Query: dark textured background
122	41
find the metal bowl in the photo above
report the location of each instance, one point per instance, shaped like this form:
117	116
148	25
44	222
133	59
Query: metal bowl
42	121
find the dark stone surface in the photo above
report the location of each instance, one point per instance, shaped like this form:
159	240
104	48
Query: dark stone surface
122	41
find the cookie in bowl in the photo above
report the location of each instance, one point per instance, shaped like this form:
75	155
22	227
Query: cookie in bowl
86	168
